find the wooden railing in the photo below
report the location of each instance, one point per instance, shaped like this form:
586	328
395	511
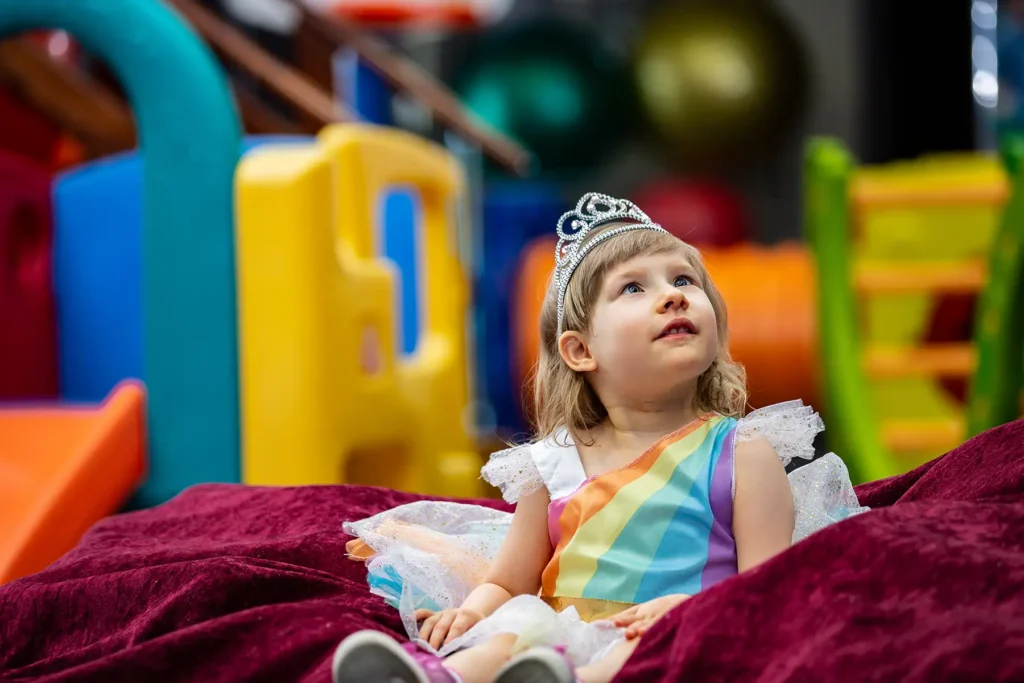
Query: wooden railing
407	77
309	100
311	96
96	116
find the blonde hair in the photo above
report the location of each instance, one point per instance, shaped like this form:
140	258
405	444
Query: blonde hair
563	398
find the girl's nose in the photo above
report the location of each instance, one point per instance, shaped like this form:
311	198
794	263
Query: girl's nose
673	299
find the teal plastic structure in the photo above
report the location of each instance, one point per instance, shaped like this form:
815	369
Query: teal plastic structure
97	271
190	140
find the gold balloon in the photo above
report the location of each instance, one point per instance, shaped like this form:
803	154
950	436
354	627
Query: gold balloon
719	78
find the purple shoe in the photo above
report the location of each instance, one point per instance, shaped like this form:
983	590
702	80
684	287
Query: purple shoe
538	665
372	657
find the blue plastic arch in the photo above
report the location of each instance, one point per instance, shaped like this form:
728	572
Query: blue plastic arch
190	141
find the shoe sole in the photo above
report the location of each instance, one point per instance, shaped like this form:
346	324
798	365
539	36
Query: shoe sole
536	666
372	657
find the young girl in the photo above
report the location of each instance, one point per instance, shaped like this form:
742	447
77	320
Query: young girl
645	484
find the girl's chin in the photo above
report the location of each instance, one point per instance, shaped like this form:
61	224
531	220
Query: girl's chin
683	360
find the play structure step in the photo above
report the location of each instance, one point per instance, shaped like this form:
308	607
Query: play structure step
957	277
62	469
931	435
872	193
934	360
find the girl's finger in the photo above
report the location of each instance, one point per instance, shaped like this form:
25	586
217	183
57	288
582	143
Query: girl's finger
422	614
428	626
441	629
626	618
459	626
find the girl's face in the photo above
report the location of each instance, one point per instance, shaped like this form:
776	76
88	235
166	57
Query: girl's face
652	329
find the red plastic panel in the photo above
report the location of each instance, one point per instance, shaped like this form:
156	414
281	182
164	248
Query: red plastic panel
28	335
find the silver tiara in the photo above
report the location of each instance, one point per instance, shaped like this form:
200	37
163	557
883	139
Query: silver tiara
593	210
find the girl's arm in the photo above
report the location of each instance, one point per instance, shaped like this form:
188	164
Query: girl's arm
515	571
762	522
521	559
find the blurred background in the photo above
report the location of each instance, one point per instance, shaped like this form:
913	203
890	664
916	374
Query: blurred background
288	242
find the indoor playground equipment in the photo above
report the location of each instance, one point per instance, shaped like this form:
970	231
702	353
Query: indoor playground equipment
97	273
888	243
129	262
514	215
325	395
64	468
190	144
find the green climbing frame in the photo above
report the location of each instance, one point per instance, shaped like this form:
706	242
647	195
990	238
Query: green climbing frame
996	383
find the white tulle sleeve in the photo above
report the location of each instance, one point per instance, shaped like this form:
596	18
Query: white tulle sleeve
789	427
514	472
822	491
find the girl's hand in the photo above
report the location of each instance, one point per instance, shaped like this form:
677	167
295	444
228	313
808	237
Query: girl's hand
639	618
440	627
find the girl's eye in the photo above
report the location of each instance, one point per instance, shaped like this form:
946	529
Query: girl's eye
631	288
683	281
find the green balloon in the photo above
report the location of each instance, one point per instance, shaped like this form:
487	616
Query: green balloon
550	86
720	79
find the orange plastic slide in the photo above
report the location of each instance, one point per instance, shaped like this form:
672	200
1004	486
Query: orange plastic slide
62	469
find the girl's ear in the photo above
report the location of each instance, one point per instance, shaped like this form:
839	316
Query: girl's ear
572	347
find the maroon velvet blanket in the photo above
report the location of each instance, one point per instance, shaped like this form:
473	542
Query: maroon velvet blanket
233	583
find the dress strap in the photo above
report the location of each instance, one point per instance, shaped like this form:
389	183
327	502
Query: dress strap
553	463
559	464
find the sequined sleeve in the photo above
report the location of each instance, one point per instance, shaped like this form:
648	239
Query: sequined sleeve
514	472
789	427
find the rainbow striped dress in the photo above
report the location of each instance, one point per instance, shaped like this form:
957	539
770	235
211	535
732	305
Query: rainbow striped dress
660	525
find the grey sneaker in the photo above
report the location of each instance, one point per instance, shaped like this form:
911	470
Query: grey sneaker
538	665
373	657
